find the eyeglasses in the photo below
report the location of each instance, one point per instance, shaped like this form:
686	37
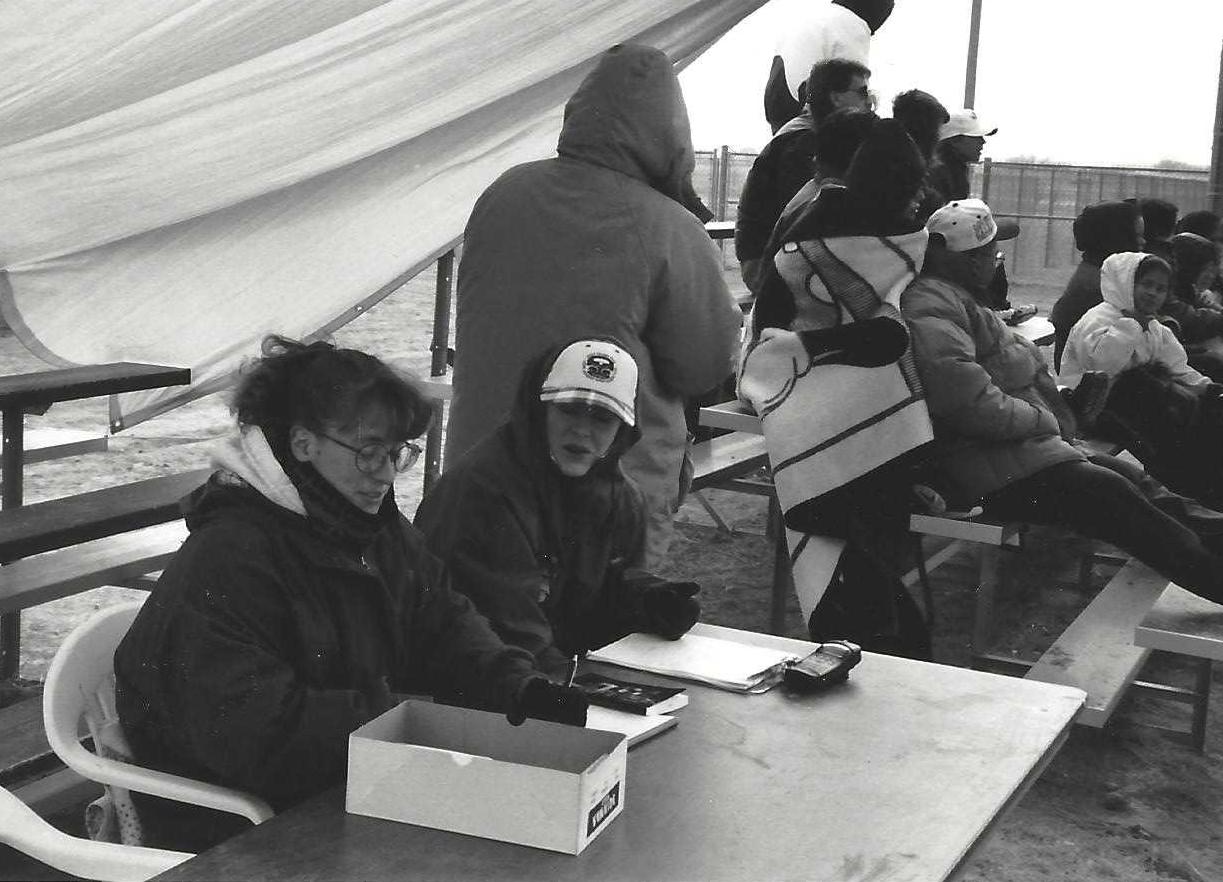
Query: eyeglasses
372	457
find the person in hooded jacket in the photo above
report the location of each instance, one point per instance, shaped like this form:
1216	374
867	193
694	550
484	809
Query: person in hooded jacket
601	239
302	601
1101	229
1004	435
540	525
1166	413
1192	304
840	29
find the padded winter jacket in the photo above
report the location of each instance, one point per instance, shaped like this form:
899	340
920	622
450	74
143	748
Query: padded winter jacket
1105	339
551	561
266	641
598	241
992	425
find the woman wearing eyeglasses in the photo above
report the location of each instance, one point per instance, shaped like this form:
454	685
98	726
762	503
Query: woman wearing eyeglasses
539	524
302	600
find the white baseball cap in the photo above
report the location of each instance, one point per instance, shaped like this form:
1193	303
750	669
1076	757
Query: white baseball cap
968	223
964	122
595	372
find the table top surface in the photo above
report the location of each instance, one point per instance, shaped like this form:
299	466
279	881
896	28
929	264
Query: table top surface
1038	329
87	381
895	775
1184	623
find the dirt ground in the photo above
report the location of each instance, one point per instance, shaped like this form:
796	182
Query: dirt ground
1126	803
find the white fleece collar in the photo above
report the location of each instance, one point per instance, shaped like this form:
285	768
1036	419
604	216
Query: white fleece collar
248	455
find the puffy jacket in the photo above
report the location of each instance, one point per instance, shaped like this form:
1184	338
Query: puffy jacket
548	559
598	241
992	424
267	640
1106	340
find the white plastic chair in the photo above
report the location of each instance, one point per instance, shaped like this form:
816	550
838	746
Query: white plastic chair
81	683
29	834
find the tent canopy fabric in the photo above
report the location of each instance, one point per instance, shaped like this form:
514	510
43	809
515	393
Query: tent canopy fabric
184	177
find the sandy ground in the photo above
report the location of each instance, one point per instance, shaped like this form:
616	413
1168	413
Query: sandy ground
1128	803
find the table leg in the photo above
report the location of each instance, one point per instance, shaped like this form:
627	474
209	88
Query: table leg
11	455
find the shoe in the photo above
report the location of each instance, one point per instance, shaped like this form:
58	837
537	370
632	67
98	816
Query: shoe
1089	397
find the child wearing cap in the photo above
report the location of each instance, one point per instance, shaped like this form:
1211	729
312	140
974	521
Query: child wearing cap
539	525
1003	433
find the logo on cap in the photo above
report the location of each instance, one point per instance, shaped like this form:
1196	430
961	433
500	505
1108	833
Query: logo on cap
599	366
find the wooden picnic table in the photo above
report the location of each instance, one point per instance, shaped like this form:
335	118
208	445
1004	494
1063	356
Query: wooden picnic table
36	391
898	774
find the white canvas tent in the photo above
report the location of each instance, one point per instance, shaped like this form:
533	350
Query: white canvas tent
181	177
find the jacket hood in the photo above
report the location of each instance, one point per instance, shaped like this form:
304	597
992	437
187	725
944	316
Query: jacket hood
1191	254
527	420
1105	228
873	12
1117	278
248	456
629	115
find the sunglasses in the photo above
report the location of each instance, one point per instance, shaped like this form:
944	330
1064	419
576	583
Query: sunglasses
370	458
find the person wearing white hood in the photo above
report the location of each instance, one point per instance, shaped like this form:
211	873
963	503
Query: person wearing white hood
303	602
1123	332
1165	412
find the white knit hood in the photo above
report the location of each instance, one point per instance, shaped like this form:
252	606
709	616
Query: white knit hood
248	456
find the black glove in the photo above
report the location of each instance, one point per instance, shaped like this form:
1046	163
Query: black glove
541	699
670	608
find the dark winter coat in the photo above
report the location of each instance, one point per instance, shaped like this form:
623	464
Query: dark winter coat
267	641
548	559
992	424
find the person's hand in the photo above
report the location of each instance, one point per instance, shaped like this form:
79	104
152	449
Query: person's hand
1142	318
671	608
541	699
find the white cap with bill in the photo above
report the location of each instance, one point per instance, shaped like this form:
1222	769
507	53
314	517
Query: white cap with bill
594	372
964	122
968	223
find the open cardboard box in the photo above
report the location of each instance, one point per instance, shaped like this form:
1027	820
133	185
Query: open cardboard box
540	784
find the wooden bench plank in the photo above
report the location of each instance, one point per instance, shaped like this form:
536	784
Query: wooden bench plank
968	529
726	456
48	443
733	415
1184	623
23	741
117	559
57	523
87	381
1096	652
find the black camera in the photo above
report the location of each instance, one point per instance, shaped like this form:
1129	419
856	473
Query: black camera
827	666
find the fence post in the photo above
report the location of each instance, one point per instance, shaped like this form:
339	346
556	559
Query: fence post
720	195
1216	154
986	170
439	349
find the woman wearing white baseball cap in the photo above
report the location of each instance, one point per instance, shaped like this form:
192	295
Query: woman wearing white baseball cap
539	525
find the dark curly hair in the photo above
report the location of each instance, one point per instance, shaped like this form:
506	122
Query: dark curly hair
317	385
826	77
922	115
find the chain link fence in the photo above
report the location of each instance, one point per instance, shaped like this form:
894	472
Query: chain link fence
1044	197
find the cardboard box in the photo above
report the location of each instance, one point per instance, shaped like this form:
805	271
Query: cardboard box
540	784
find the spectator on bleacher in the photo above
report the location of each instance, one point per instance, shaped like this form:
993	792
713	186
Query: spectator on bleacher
539	525
1197	318
923	117
785	163
1101	229
303	600
960	142
819	32
1163	411
1207	225
1158	225
599	240
1003	433
827	368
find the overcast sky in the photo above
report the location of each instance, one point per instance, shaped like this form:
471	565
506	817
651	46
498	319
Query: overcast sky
1112	82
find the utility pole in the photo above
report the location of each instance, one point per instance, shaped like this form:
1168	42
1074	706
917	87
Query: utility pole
1216	153
974	37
